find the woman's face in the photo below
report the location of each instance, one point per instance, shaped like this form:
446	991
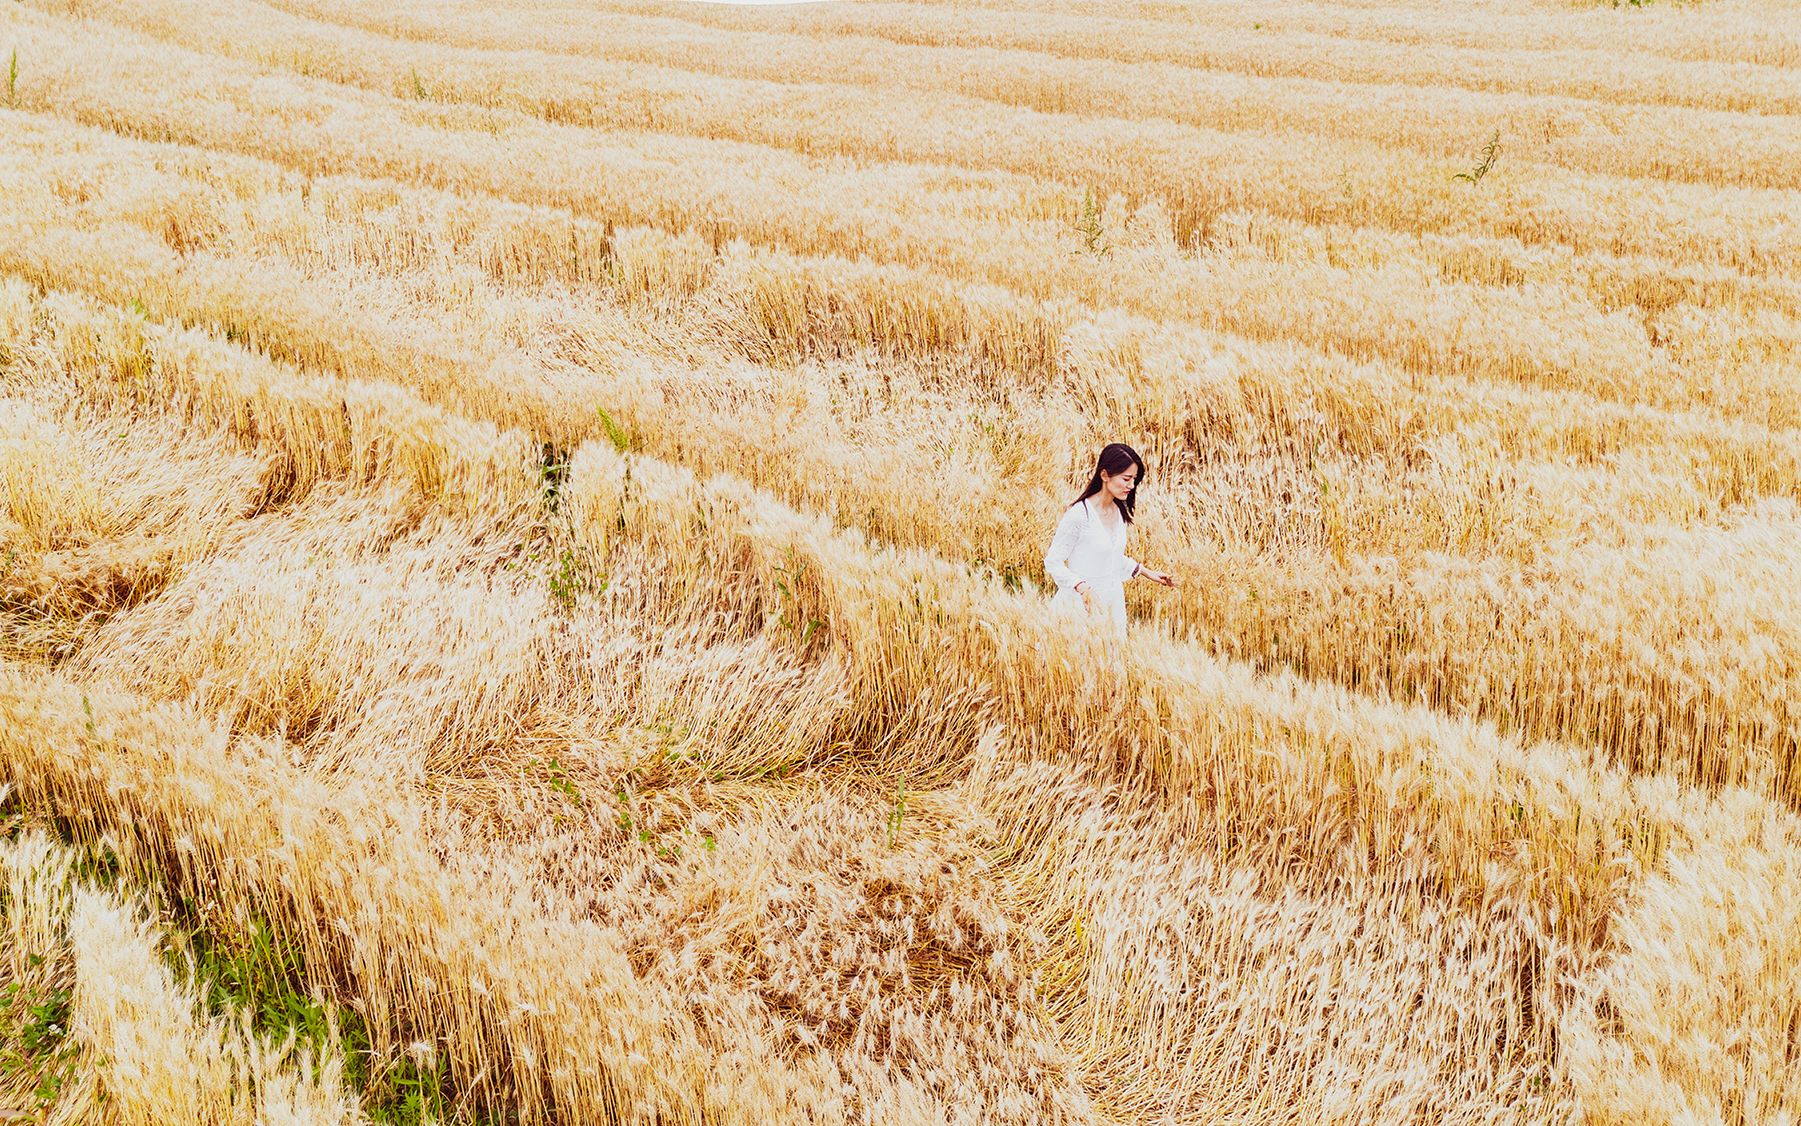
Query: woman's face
1119	485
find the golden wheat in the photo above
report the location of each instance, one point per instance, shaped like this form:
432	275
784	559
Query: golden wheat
1739	76
534	509
1399	647
558	79
1533	333
157	1055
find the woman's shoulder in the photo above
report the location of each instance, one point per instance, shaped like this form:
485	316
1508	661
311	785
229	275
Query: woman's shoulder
1070	517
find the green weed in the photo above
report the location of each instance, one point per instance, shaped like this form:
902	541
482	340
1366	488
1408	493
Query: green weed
263	975
787	585
567	570
558	779
898	813
569	579
416	1091
1489	152
553	473
34	1035
1089	224
615	433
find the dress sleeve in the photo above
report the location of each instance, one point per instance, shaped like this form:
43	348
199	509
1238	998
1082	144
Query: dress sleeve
1063	545
1127	564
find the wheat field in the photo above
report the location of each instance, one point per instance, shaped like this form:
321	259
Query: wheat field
521	585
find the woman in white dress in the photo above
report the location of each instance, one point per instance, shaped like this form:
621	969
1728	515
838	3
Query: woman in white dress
1087	557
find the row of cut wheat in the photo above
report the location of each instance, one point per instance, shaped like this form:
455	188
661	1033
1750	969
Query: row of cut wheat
1724	358
1653	141
1571	71
1392	311
1749	229
887	646
1536	263
651	481
1738	36
797	305
1408	646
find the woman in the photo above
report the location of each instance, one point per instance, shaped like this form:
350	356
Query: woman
1088	556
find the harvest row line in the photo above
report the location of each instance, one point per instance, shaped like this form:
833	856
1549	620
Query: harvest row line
635	71
872	598
1605	73
1393	619
1537	334
1196	174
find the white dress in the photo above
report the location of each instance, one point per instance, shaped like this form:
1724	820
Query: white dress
1085	548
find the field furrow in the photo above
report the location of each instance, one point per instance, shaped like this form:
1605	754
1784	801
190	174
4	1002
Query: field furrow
1343	573
1568	69
1391	635
1749	229
1674	144
1725	357
1730	35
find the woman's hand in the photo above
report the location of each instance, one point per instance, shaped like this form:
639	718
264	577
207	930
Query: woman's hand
1163	577
1087	593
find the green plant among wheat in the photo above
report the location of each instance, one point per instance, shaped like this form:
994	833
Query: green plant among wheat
1490	152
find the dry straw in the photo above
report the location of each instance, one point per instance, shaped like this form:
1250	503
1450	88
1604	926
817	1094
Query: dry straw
539	513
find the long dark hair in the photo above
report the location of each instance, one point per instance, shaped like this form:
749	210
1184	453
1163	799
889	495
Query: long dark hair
1116	458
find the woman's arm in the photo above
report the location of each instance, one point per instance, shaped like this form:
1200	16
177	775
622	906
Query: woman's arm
1063	544
1156	576
1131	569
